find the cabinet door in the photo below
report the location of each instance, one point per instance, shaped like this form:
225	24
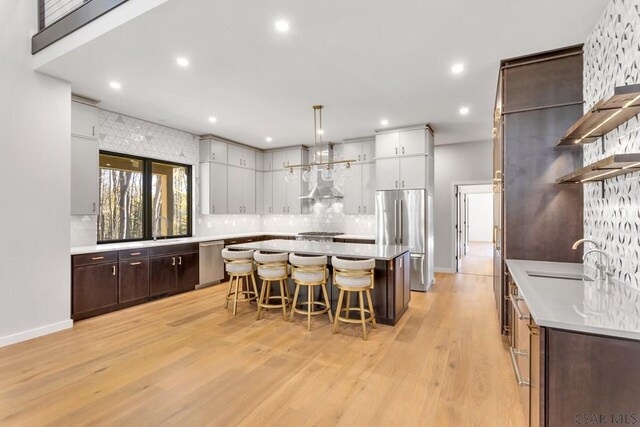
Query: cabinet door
413	142
279	159
213	151
187	271
412	172
267	192
84	120
248	191
259	161
236	155
368	188
259	193
95	288
294	190
134	280
352	191
430	174
162	275
368	151
352	151
84	176
387	174
294	157
387	144
234	195
279	192
218	188
430	143
267	162
248	158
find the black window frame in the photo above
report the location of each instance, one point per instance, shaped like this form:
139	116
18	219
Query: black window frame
147	181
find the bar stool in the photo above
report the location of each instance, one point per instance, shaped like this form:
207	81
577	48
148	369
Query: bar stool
354	277
310	271
273	268
239	266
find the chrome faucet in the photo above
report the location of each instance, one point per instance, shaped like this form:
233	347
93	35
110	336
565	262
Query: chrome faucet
604	270
155	223
581	241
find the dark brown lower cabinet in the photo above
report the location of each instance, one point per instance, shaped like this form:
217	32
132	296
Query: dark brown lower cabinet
95	289
162	279
188	273
134	280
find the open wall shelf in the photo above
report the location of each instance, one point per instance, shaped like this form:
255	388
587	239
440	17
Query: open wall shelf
618	164
605	116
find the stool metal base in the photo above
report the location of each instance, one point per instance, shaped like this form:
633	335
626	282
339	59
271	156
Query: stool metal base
361	309
265	296
232	294
311	303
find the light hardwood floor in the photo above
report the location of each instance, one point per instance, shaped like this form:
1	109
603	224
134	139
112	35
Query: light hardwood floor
479	259
186	361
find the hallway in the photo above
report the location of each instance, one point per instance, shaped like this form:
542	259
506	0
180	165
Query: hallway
478	260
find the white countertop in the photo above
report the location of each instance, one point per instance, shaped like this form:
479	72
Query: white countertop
356	237
150	243
354	250
574	305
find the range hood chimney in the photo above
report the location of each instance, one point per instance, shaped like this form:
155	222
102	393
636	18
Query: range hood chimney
323	189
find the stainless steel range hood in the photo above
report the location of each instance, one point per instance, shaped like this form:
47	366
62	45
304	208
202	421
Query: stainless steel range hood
323	190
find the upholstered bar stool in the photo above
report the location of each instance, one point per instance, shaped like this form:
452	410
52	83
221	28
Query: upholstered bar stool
354	277
310	271
239	266
273	268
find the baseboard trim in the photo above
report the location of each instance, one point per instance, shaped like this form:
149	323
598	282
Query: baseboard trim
443	270
36	332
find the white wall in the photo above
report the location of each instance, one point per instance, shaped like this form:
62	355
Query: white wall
468	163
480	217
35	131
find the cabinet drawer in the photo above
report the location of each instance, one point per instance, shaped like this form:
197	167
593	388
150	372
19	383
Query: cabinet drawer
174	249
95	258
133	254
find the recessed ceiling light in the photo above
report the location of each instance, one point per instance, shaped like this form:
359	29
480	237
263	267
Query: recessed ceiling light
115	85
212	119
464	111
182	61
268	139
384	122
282	26
457	68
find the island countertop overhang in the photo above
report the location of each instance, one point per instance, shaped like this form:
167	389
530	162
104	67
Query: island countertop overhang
350	250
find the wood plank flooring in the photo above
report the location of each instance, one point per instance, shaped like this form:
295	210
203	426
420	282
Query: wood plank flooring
186	361
478	260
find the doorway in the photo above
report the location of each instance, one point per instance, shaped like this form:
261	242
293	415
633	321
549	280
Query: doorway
474	229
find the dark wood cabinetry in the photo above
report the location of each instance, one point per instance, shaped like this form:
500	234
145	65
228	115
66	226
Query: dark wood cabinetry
539	96
173	269
134	280
95	289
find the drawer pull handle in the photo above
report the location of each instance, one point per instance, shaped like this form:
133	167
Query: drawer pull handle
96	258
114	270
514	353
135	253
135	263
519	312
173	261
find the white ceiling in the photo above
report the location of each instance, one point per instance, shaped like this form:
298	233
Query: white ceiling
363	59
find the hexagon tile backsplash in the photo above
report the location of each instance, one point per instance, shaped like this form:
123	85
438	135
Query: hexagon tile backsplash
612	58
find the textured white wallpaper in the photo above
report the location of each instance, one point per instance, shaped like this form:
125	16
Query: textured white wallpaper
612	58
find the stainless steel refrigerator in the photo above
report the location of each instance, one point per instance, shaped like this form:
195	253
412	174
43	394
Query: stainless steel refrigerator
405	217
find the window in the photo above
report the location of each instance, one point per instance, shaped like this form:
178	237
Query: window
141	198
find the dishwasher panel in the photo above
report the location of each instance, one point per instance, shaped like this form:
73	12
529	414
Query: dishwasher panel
211	263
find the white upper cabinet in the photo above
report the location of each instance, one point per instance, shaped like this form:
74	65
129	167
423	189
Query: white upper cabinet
213	188
387	174
387	144
259	156
413	142
404	142
283	158
361	151
84	176
248	191
279	192
267	192
85	120
212	150
412	172
267	162
359	190
242	157
369	188
241	190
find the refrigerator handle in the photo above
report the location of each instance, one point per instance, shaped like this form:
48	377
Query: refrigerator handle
396	221
400	221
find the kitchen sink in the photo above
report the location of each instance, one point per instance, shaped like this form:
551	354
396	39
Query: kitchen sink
565	276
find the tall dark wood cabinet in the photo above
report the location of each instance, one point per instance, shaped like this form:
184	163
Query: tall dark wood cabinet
539	96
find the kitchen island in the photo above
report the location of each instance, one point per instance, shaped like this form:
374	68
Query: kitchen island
392	289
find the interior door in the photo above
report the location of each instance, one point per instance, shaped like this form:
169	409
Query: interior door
386	217
458	229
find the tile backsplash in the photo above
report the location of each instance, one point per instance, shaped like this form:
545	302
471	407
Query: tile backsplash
612	58
123	134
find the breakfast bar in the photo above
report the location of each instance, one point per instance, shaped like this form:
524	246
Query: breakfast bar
392	289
